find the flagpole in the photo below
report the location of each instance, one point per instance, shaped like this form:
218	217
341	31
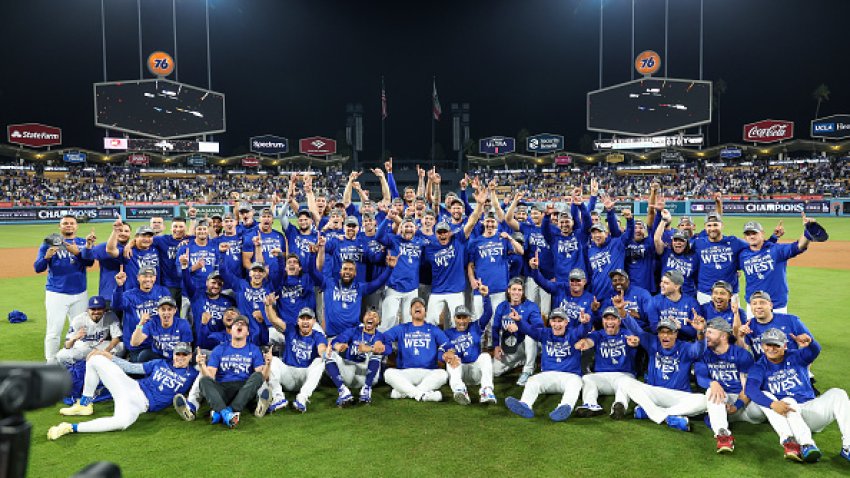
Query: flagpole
433	118
383	120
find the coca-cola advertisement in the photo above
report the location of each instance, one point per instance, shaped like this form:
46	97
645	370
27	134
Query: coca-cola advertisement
768	131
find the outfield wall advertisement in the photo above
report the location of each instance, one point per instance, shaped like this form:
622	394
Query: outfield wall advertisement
762	208
54	214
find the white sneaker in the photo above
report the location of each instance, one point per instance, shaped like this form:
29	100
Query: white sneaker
487	396
462	397
395	394
279	404
263	402
433	396
59	430
523	379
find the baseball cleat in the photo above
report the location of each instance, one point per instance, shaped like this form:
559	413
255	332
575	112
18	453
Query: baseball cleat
60	430
679	423
618	411
519	407
366	395
431	396
77	410
791	449
640	414
215	417
589	410
523	379
301	407
462	397
278	405
561	413
810	453
185	409
487	396
725	442
345	398
263	402
845	453
228	418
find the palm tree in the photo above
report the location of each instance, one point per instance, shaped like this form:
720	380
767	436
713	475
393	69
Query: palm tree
820	95
719	90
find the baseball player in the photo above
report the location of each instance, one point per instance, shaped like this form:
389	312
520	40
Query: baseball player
471	364
108	265
250	295
537	246
722	372
231	376
198	258
672	304
350	245
567	243
91	330
637	298
166	245
416	374
568	296
403	282
511	346
142	254
723	302
163	379
717	256
164	333
301	364
65	292
356	359
666	396
134	303
296	290
157	225
779	384
208	303
560	365
764	263
266	240
488	262
606	253
230	237
677	255
766	317
615	351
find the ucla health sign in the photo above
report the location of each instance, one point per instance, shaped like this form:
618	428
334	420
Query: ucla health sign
544	143
831	127
496	145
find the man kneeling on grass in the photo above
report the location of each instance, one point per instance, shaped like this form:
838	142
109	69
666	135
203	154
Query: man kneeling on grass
163	380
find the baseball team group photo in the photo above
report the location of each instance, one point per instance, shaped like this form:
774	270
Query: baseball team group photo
304	283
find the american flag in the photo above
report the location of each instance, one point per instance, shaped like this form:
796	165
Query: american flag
437	110
383	100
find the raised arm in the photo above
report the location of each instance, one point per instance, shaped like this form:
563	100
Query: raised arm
509	214
658	236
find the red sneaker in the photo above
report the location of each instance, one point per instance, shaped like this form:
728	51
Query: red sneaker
725	443
792	450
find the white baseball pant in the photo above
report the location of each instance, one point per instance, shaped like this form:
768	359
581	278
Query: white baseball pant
60	307
479	372
395	304
413	382
606	383
536	294
286	377
525	356
660	402
80	350
565	383
439	302
130	401
812	416
353	373
720	419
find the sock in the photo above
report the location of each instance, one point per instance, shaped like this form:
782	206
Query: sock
84	400
333	372
74	427
374	368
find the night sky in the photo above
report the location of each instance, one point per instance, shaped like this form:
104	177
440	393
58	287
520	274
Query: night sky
289	67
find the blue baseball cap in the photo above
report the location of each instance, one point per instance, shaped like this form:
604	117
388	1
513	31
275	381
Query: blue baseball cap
97	302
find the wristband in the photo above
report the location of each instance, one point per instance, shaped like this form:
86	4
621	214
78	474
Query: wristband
739	404
139	327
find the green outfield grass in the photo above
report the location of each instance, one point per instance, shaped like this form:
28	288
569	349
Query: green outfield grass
405	438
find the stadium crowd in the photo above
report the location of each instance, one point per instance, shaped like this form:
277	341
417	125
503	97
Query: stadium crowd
423	289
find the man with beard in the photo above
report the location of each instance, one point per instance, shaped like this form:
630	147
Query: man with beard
198	259
143	256
606	253
66	293
350	246
615	353
108	265
403	283
766	317
136	302
378	253
716	255
722	304
722	372
512	346
208	304
262	243
677	255
356	359
91	330
567	296
636	298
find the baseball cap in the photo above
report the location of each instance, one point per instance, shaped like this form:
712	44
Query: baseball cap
455	200
97	302
598	227
490	215
685	220
203	222
539	206
618	272
368	215
773	336
144	230
335	212
577	274
305	212
713	217
351	220
240	318
266	212
398	200
258	265
215	275
228	216
443	226
429	212
667	323
611	310
558	313
306	311
54	240
675	276
408	219
462	311
420	198
680	235
719	323
519	237
418	299
723	285
166	300
565	214
216	216
147	271
760	294
182	348
753	226
245	207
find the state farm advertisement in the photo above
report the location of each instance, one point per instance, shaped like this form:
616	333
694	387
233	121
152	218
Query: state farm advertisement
768	131
35	135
